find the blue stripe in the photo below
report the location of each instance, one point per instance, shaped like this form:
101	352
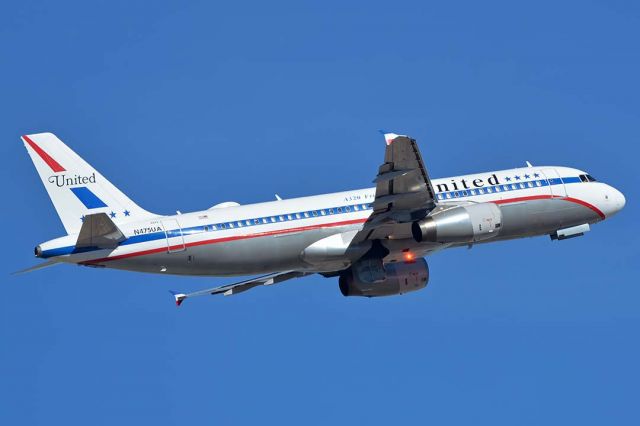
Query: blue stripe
506	187
143	238
88	198
571	180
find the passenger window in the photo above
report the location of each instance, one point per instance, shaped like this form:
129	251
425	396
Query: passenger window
315	213
339	209
323	212
264	220
513	186
347	209
239	224
298	216
489	190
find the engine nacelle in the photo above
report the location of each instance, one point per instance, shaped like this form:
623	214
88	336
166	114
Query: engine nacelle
463	224
399	278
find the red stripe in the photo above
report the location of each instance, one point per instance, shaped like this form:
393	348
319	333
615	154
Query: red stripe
584	203
518	199
547	197
226	239
55	166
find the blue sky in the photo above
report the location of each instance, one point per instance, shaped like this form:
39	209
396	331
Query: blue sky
184	105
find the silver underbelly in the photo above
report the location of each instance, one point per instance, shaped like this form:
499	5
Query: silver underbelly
267	254
251	256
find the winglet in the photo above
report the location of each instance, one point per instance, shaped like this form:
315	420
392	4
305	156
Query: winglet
178	296
389	136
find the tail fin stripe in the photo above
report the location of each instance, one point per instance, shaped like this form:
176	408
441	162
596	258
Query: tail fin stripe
88	198
55	166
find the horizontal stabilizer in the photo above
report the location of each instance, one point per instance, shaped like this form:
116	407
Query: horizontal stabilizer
98	230
37	267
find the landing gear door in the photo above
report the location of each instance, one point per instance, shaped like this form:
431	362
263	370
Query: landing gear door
556	186
173	235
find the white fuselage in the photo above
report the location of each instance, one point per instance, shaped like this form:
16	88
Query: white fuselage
273	236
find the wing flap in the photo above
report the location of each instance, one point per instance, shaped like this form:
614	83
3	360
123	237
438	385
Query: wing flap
242	286
387	176
404	192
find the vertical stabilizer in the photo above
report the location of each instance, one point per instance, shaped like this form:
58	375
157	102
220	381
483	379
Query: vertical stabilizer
75	188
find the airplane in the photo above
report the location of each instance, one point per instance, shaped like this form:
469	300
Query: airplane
374	239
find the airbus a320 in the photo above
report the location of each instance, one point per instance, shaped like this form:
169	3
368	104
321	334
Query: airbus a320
373	240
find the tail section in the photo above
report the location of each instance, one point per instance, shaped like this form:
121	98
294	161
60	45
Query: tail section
75	188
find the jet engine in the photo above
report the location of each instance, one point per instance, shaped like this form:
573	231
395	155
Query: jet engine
463	224
398	278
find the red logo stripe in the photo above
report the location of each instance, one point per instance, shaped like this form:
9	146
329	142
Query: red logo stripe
555	197
55	166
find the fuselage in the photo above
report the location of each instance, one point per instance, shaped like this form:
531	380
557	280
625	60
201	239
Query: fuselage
272	236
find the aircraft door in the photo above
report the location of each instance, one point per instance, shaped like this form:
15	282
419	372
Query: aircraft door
556	185
173	235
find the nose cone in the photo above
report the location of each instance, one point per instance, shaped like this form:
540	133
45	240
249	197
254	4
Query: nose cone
615	201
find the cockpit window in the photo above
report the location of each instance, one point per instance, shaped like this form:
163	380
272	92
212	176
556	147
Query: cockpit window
587	178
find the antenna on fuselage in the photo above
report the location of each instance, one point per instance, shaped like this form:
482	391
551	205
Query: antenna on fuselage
528	164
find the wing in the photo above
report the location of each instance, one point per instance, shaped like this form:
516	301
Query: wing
231	289
403	189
